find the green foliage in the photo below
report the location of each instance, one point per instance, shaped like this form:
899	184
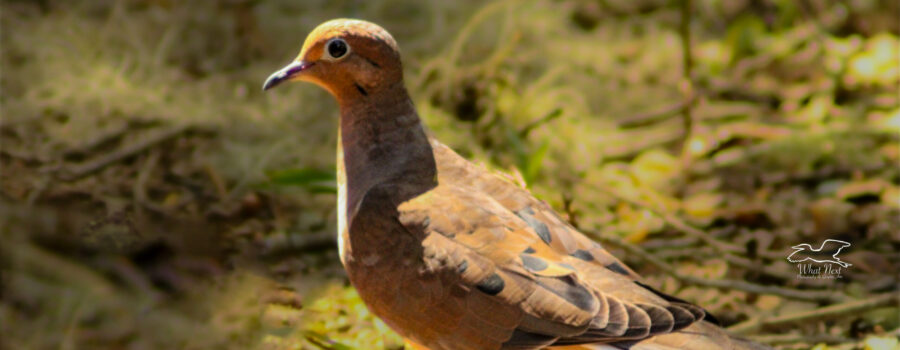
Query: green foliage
314	180
796	138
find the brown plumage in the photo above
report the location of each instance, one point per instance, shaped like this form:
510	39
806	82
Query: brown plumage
454	257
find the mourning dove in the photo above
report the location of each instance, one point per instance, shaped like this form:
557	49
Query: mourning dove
454	257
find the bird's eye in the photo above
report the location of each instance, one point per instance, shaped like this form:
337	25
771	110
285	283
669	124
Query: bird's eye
336	48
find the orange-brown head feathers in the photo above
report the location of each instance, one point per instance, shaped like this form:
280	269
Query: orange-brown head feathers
349	58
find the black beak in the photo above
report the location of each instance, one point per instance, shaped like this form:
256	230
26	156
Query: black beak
285	74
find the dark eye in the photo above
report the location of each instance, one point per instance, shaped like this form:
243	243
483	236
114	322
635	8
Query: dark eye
337	48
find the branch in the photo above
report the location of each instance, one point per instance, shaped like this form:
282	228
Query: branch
754	265
540	121
823	313
722	248
801	338
676	222
688	64
84	169
647	118
788	293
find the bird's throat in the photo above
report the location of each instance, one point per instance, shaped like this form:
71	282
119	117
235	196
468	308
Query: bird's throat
381	141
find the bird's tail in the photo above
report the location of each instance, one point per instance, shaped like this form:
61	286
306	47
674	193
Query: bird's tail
699	336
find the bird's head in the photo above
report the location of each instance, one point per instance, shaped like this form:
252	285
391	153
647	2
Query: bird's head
347	57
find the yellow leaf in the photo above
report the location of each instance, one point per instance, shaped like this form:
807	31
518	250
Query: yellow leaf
656	168
701	207
711	269
860	188
881	343
885	121
877	64
276	315
820	346
891	197
171	199
816	109
768	302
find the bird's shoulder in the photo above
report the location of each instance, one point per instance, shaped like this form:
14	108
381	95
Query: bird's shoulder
469	196
504	242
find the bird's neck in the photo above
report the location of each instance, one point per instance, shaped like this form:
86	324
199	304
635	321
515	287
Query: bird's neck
381	140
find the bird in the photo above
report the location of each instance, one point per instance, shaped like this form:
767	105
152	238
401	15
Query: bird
830	248
453	256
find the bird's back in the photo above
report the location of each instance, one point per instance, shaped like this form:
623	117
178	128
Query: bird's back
552	284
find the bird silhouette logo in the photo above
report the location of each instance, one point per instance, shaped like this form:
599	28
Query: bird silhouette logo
826	253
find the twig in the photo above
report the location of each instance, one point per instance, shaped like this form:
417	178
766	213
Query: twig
105	136
675	222
677	244
140	184
651	117
663	134
758	266
725	250
831	311
688	86
726	283
297	243
38	261
542	120
572	215
130	150
216	180
798	338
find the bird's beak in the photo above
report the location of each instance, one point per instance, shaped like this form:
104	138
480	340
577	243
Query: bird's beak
289	72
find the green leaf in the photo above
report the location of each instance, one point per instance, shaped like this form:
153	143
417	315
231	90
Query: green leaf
743	35
324	342
534	162
311	179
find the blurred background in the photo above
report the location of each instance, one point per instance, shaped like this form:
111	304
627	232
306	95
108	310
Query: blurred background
152	197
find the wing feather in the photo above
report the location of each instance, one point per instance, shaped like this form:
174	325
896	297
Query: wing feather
523	276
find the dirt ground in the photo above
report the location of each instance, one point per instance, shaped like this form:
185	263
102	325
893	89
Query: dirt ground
153	197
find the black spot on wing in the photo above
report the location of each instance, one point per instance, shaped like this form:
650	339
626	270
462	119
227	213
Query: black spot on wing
492	285
568	288
539	227
618	268
529	250
533	263
583	255
462	267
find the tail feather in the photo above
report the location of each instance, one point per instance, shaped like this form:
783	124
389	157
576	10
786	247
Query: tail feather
698	336
701	335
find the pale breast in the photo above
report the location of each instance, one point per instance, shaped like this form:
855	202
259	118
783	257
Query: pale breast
342	232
